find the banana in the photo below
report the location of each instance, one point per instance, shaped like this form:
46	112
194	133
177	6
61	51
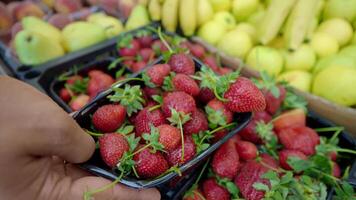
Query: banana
188	16
314	24
170	15
272	21
299	22
154	9
205	11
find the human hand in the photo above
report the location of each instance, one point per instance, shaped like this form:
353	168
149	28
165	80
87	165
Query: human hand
36	137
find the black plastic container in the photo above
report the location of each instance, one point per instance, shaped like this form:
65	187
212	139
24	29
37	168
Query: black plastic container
96	166
313	121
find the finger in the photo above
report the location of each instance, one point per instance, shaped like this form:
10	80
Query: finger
42	128
75	172
118	192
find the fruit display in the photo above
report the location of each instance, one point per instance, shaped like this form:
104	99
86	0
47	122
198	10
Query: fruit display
277	156
289	39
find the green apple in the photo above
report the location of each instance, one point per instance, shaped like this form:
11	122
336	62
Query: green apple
225	18
249	29
334	60
256	17
338	28
349	51
340	8
302	58
235	43
324	45
221	5
81	34
212	31
242	9
267	59
337	84
297	78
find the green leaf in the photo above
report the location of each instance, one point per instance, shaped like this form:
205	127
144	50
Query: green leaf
178	117
158	99
167	83
125	129
153	139
125	41
225	81
293	101
261	186
132	141
79	86
147	80
215	117
298	164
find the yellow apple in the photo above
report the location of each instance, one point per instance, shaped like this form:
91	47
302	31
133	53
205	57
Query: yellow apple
225	18
235	43
302	58
249	29
338	28
211	32
324	45
297	78
267	59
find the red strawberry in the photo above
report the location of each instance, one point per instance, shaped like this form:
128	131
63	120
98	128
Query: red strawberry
180	101
109	118
71	80
249	132
79	102
197	50
138	66
290	119
332	155
169	136
147	54
244	96
175	157
145	41
150	165
336	171
285	154
226	160
205	95
269	161
218	113
144	118
99	81
273	103
224	70
303	139
131	50
210	61
64	94
128	63
194	195
112	147
220	135
157	73
159	46
246	150
149	92
184	83
251	172
213	191
182	63
197	123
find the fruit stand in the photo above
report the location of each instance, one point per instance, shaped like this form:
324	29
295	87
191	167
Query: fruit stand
201	99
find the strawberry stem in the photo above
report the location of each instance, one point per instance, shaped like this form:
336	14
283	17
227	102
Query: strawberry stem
116	61
345	150
182	137
126	80
94	134
135	172
200	195
218	96
154	108
222	127
159	32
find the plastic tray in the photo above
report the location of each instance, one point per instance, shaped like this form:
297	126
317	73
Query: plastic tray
96	166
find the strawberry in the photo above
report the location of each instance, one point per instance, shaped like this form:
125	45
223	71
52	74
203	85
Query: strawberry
224	70
251	172
130	50
246	150
290	119
148	164
194	195
218	114
99	81
274	102
211	62
197	50
154	76
285	154
220	135
109	118
303	139
336	171
79	102
174	157
205	95
269	161
180	101
169	136
145	41
158	46
147	54
244	96
213	191
71	80
226	160
249	132
112	147
197	123
332	155
138	66
182	63
184	83
128	63
64	94
144	118
149	92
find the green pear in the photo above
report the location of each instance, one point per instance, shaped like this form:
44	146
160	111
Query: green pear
79	35
337	84
349	51
35	24
334	60
112	26
297	78
211	32
33	48
235	43
225	18
138	17
302	58
267	59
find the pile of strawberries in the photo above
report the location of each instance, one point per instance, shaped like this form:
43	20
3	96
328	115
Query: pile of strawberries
170	114
275	157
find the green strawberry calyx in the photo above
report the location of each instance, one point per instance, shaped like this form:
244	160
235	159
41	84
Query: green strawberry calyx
215	117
